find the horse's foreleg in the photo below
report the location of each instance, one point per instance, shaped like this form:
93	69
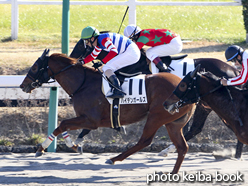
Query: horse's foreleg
239	149
148	133
176	136
81	136
199	118
65	125
44	145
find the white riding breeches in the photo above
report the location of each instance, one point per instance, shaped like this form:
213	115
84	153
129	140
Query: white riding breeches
129	57
174	47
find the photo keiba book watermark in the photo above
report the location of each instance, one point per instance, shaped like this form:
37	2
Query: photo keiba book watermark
196	177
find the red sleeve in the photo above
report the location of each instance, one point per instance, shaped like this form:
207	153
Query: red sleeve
107	42
140	45
88	59
93	55
109	56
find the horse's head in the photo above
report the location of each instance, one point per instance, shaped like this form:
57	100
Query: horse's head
80	49
191	89
38	73
183	94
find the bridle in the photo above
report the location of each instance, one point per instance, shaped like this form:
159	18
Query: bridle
42	76
192	86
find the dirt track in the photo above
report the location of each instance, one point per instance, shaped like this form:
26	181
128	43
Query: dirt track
66	169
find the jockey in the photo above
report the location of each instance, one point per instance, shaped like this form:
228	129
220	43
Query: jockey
163	42
122	52
237	55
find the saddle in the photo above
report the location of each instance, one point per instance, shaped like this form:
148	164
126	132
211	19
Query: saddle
168	59
134	88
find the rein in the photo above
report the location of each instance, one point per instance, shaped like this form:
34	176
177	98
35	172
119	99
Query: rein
64	69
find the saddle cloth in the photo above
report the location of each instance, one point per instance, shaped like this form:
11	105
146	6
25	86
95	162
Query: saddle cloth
181	67
134	88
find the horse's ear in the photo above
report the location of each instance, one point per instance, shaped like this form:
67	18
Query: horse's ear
193	73
45	53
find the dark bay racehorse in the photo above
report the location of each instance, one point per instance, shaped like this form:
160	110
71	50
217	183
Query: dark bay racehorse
217	67
93	110
229	103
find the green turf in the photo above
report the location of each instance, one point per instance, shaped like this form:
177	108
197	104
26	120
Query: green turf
43	23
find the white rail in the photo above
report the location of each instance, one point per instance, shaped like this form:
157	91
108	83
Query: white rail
9	89
131	3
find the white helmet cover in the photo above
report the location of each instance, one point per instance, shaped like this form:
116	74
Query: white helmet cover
131	30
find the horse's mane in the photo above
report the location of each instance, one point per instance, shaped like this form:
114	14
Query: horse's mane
70	61
103	32
210	75
217	80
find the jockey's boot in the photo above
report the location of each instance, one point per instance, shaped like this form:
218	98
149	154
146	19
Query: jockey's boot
159	64
115	93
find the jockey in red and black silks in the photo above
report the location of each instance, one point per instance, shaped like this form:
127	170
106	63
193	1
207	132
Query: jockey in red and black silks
237	55
163	42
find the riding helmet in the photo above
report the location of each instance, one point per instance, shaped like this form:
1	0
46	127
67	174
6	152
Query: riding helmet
89	32
131	30
232	52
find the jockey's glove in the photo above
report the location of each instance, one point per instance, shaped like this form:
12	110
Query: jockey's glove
97	64
81	61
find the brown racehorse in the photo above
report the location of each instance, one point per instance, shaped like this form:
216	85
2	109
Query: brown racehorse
230	103
92	109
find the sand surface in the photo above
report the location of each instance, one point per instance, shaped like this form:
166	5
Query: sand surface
59	169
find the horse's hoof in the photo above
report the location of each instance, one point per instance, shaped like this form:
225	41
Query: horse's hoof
79	141
110	162
80	149
166	151
38	154
164	154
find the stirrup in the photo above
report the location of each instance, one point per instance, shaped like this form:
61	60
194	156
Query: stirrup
121	129
115	95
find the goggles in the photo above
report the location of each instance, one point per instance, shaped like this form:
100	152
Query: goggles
87	41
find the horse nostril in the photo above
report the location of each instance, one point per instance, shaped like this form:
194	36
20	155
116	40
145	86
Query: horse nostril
21	86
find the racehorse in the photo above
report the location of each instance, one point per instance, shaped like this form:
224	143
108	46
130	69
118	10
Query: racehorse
92	109
229	103
217	67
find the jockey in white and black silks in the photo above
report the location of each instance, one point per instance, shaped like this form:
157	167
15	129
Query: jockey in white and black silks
122	52
163	42
239	56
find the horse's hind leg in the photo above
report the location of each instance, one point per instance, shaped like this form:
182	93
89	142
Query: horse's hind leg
176	136
149	131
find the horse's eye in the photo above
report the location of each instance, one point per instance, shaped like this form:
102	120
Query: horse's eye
182	86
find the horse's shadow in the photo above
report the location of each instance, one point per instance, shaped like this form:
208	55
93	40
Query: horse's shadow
79	168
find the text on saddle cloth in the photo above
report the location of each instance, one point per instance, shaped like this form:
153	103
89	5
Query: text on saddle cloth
181	67
134	88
